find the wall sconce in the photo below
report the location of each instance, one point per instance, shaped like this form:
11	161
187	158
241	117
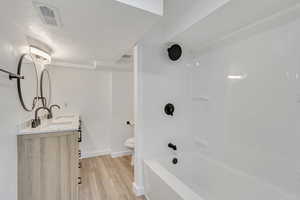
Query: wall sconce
46	57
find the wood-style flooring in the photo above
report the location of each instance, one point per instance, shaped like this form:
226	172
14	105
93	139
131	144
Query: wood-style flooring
106	178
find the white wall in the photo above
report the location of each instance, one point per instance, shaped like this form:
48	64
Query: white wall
88	93
104	99
251	125
122	110
11	112
159	81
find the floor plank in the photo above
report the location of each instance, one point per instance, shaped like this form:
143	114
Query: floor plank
106	178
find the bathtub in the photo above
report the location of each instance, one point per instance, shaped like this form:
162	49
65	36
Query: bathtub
200	178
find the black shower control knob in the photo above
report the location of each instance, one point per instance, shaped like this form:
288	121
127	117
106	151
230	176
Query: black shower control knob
175	161
175	52
169	109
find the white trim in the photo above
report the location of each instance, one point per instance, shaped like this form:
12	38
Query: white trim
120	154
137	190
96	153
74	65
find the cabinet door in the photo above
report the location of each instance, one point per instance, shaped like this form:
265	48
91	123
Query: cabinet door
48	167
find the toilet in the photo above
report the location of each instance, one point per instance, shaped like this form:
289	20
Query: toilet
130	144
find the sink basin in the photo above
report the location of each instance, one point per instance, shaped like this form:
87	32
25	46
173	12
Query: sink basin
52	124
64	117
61	123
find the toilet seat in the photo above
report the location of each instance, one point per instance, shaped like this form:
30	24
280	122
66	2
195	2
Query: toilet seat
129	143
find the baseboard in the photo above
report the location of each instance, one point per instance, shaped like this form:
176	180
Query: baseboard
105	152
137	190
95	153
120	154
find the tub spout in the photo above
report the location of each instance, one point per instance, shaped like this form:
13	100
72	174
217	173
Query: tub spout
172	146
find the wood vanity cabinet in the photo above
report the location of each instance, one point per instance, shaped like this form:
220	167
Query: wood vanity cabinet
48	166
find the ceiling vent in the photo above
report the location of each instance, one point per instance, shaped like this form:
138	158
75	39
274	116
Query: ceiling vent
48	14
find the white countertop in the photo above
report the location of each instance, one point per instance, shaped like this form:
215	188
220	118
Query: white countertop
60	123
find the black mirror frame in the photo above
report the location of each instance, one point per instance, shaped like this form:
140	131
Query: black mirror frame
35	99
43	98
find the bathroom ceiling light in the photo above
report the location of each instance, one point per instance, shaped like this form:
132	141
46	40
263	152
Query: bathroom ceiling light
40	53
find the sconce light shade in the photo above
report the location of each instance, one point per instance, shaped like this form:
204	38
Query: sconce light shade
40	53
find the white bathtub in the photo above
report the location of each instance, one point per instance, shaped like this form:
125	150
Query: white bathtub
200	178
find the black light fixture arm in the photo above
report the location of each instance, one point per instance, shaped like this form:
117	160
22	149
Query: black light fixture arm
11	75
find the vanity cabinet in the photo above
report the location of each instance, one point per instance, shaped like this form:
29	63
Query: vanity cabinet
48	166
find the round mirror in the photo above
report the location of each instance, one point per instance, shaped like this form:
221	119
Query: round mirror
45	87
27	87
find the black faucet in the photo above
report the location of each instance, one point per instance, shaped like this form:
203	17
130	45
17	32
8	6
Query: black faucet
50	115
172	146
37	121
42	99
